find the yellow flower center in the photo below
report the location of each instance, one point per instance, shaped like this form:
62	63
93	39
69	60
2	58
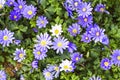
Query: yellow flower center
56	31
84	9
48	74
66	67
85	19
106	63
38	52
43	42
21	55
1	6
11	3
86	38
59	44
20	6
77	58
42	22
56	68
97	33
118	57
15	17
30	12
5	37
76	3
102	9
74	31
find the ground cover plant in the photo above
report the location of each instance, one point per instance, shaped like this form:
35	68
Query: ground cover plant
59	40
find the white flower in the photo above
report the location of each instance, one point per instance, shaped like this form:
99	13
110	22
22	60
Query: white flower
2	2
56	30
66	65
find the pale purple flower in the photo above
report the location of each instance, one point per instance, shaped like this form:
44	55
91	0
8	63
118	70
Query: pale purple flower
6	37
86	37
95	78
84	9
86	21
43	41
29	12
10	2
3	75
41	22
60	44
19	54
116	57
74	29
35	64
47	74
71	47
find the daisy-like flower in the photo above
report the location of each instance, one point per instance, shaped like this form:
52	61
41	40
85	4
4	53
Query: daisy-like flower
86	37
41	22
95	78
88	29
35	64
54	69
101	8
74	29
2	2
47	74
66	66
97	34
105	40
15	16
10	2
106	63
39	53
19	5
29	12
6	37
71	47
84	9
3	75
43	41
75	57
86	21
19	54
56	30
116	57
59	44
17	42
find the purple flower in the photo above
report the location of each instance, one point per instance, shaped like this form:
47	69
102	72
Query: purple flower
106	63
17	42
19	5
86	21
10	2
22	77
43	41
88	29
86	37
39	54
19	54
75	57
3	75
35	64
105	40
101	8
35	30
71	47
47	74
41	22
97	34
74	29
29	12
15	16
59	44
116	57
84	9
55	70
6	37
95	78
